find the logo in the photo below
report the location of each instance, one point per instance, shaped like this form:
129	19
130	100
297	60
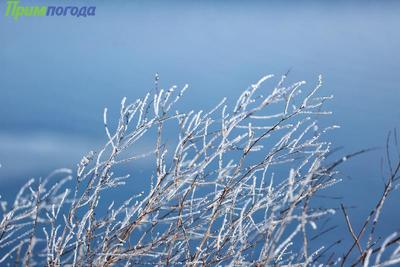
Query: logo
15	10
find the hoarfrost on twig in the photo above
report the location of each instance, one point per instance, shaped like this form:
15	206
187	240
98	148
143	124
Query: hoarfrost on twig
216	195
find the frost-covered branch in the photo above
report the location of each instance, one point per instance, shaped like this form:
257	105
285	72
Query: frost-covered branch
229	186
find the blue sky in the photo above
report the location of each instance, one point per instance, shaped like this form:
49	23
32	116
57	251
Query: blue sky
58	73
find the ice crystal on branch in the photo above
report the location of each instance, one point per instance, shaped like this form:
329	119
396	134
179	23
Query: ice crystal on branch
234	187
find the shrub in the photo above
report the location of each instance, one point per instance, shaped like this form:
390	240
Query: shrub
234	187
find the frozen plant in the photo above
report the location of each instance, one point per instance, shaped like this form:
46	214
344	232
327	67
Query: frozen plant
234	186
375	252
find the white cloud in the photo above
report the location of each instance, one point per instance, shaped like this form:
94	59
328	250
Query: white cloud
23	155
36	154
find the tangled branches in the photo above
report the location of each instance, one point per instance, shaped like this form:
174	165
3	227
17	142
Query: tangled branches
235	187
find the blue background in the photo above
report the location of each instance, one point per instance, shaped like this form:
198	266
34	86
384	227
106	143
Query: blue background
58	73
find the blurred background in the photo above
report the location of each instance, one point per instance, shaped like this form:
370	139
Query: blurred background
58	73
